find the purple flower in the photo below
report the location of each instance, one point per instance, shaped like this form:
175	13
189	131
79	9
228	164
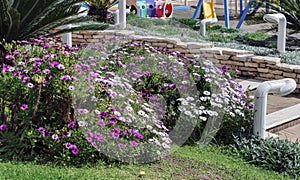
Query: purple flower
35	69
3	127
120	145
71	124
9	57
75	151
117	130
65	77
41	129
66	134
113	123
46	71
82	111
68	145
103	114
140	136
101	139
71	88
101	122
146	73
24	107
115	135
25	80
54	64
94	144
14	106
134	144
131	64
89	139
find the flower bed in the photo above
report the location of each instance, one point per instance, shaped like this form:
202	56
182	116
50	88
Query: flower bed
248	64
120	99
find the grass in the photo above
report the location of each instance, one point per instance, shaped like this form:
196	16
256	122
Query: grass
172	28
189	162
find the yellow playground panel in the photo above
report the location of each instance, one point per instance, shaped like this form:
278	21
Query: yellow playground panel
209	10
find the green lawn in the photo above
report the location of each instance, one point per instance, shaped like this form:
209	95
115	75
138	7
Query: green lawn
187	163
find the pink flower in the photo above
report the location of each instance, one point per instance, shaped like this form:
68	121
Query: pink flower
75	151
3	127
134	144
24	107
120	145
101	122
46	71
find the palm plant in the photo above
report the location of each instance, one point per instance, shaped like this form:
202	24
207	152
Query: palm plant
99	8
24	19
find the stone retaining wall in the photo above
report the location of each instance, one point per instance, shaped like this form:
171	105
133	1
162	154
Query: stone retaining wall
249	65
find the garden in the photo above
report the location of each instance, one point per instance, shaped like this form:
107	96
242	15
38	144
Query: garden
120	108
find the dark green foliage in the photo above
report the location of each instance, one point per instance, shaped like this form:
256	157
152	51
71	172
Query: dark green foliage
24	19
281	156
188	21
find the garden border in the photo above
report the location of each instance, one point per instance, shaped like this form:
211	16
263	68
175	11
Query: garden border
248	64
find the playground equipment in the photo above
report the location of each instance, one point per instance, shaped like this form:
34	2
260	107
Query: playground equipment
281	21
210	16
209	10
151	8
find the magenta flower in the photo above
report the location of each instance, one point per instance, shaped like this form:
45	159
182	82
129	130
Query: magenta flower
94	144
68	145
140	136
82	111
46	71
134	144
41	129
3	127
71	124
113	123
75	151
115	135
24	107
120	145
101	122
65	77
131	64
9	57
54	64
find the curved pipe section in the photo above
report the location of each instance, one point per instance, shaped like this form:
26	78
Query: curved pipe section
203	24
281	21
281	87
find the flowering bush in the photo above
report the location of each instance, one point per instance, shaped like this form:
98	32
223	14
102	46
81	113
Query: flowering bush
36	92
130	101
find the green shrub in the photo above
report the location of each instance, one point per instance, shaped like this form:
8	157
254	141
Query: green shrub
281	156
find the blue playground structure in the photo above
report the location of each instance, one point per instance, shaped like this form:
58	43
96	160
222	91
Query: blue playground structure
243	12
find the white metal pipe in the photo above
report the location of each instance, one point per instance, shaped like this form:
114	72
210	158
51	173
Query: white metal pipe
281	87
203	23
67	37
122	14
281	21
